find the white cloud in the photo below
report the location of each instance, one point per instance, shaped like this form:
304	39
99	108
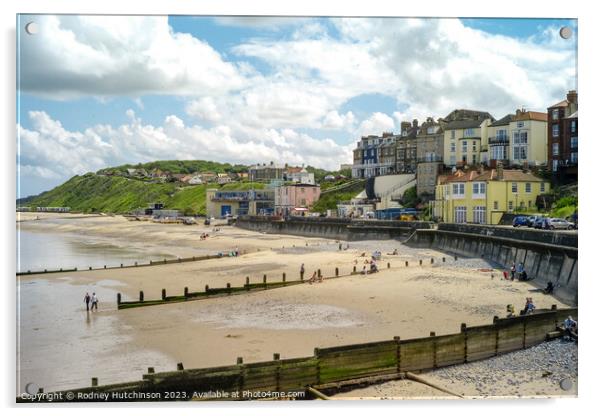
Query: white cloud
48	150
376	124
335	121
75	56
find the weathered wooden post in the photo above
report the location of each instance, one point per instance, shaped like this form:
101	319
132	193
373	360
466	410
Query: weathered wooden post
186	291
319	273
284	277
94	381
228	288
455	258
443	259
90	268
179	260
121	265
432	260
118	299
554	307
151	370
354	269
247	283
336	272
239	361
141	296
388	265
164	261
420	262
432	333
463	330
407	263
135	264
276	356
163	294
206	288
495	319
105	266
180	367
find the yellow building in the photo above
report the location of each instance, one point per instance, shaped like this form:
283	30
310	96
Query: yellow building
519	138
462	133
483	197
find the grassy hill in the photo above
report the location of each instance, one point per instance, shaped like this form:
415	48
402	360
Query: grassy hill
178	166
99	193
329	200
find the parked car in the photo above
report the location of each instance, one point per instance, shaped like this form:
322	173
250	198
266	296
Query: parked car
542	223
531	220
560	224
520	221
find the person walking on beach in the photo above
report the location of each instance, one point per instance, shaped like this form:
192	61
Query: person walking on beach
302	270
512	271
94	302
87	301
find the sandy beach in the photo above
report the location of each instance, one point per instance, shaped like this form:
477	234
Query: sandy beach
62	346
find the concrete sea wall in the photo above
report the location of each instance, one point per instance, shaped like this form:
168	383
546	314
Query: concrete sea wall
547	256
335	228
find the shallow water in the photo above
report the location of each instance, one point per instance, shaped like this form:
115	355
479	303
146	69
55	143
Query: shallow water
37	251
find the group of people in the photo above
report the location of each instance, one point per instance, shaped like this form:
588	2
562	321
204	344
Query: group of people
204	236
570	328
518	272
529	307
91	301
315	278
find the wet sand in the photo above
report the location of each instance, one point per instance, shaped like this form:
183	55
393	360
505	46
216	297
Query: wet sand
62	348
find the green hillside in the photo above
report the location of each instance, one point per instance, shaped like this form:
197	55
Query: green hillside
179	166
115	194
330	200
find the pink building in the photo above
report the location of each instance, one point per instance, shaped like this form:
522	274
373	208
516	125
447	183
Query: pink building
295	199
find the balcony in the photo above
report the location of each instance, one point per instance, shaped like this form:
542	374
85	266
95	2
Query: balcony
499	140
429	159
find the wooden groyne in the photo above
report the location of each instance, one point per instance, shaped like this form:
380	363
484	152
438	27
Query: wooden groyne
328	368
127	266
264	284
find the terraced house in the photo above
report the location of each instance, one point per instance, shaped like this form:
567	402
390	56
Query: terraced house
429	157
463	130
366	163
519	139
405	161
482	197
563	136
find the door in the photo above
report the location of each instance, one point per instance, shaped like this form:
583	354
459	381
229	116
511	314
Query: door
226	210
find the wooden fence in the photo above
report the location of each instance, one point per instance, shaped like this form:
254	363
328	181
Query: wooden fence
347	362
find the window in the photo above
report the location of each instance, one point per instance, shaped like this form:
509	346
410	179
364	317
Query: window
555	165
464	146
573	142
528	187
510	206
474	145
574	157
453	147
500	134
460	214
555	149
464	159
478	215
555	114
520	145
514	187
499	153
469	133
430	130
555	130
474	159
452	160
573	126
542	187
495	205
478	190
453	134
520	124
458	189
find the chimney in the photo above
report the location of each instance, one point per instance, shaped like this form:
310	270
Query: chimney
415	123
571	97
499	171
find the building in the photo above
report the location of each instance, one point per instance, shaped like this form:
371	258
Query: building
429	158
463	130
265	172
563	136
366	156
223	178
299	175
405	157
386	153
519	139
239	202
295	199
482	197
345	166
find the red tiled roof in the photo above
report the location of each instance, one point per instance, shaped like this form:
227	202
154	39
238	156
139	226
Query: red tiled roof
563	103
510	175
532	115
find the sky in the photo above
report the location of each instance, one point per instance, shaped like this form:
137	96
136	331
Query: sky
98	91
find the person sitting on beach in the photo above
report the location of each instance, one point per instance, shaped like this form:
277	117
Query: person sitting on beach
509	311
570	328
314	277
364	270
373	268
549	288
529	306
512	271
